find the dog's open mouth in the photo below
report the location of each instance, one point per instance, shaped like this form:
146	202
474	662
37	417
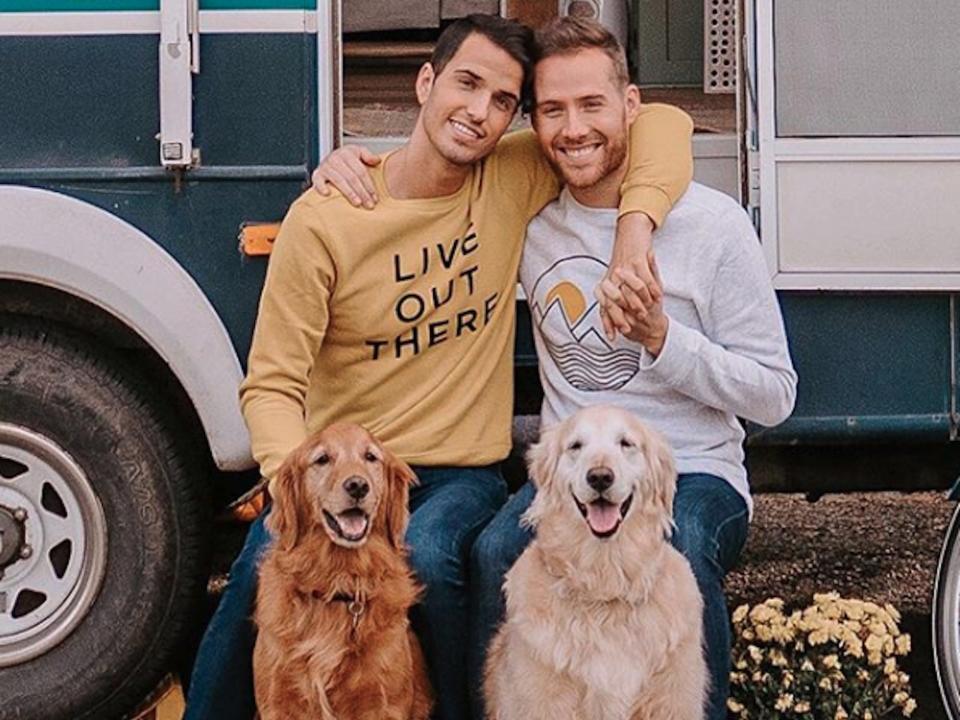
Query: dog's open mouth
350	525
603	516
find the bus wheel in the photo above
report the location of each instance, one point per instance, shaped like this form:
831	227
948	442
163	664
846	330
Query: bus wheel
946	619
102	530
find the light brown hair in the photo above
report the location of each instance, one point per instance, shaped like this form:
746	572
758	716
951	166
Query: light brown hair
569	35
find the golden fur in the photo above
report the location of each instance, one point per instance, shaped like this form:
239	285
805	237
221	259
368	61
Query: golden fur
600	628
312	659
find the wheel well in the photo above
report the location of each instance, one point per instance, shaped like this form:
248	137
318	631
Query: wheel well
81	316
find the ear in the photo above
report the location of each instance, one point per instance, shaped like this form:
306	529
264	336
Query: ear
631	101
286	519
542	461
543	457
399	477
663	477
424	83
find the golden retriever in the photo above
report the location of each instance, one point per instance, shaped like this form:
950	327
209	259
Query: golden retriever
334	642
603	614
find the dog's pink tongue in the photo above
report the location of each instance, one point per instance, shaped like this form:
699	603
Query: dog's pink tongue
352	525
602	516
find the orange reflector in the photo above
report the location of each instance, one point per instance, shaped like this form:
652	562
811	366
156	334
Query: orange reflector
257	238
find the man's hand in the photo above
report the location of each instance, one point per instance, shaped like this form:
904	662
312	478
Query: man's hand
347	169
641	303
632	251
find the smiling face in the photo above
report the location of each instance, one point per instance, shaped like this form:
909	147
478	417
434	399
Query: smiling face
345	480
582	115
468	106
600	469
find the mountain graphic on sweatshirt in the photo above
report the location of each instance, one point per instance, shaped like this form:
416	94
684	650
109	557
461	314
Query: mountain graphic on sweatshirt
568	319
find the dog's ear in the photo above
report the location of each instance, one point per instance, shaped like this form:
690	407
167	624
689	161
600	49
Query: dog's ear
542	461
286	520
399	477
543	457
663	476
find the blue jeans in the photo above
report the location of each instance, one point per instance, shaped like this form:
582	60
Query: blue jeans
711	520
448	509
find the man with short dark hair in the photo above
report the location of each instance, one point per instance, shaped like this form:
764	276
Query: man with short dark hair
401	318
706	343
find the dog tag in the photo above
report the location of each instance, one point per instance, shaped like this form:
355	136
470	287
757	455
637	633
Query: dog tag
355	608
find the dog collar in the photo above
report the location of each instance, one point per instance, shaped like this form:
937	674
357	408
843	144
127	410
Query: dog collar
356	605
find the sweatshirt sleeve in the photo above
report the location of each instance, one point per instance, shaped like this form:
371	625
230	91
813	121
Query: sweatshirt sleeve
661	161
744	367
290	328
660	165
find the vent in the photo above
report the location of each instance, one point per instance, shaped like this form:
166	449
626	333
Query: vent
720	46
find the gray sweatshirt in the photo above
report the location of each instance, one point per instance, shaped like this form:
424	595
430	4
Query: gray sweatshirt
725	354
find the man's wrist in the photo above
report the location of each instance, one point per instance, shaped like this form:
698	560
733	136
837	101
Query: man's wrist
656	340
635	226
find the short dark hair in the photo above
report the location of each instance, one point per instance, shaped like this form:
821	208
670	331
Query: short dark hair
568	35
512	37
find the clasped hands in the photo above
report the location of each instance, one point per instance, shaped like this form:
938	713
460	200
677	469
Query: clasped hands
631	296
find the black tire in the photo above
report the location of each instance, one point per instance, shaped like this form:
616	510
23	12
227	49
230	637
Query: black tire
82	398
946	619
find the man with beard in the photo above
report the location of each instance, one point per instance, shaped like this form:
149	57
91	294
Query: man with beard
401	318
706	343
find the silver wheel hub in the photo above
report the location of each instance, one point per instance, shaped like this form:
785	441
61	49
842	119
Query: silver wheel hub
12	536
53	544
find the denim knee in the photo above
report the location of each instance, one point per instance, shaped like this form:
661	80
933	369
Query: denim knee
490	558
435	563
698	546
502	541
246	566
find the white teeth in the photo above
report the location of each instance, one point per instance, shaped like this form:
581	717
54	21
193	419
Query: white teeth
464	130
581	151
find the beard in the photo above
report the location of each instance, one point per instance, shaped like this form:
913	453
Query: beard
613	152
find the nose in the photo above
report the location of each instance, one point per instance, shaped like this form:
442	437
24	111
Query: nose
600	478
356	487
574	127
479	107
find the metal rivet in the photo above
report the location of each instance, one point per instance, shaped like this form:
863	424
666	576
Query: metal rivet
19	514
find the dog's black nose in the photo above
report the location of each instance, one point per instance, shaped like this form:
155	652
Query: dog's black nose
357	488
600	478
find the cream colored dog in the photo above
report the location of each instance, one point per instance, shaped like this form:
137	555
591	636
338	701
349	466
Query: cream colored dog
603	614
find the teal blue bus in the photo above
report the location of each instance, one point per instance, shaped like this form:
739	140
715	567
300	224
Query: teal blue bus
138	138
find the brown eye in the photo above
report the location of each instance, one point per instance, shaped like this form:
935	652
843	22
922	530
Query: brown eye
574	446
370	457
323	459
626	444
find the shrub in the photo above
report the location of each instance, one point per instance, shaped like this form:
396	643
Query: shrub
836	659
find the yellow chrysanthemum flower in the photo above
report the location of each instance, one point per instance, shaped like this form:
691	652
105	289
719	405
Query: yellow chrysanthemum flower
784	702
739	614
902	645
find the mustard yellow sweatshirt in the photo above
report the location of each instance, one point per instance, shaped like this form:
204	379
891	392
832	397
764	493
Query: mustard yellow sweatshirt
401	318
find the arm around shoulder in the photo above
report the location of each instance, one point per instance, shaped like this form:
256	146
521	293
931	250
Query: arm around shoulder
661	161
